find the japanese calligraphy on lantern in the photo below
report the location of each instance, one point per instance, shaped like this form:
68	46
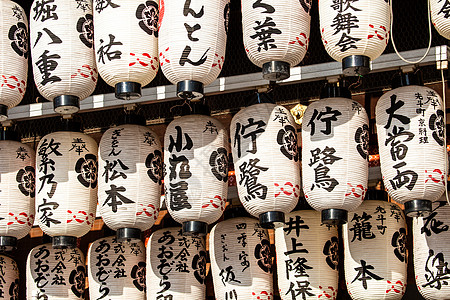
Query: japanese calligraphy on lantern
9	278
440	13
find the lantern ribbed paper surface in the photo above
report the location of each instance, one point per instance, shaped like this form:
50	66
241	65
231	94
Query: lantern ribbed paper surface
240	260
431	252
375	257
55	274
440	17
196	161
61	38
307	257
176	266
9	278
411	138
14	55
116	269
266	157
66	177
335	136
129	189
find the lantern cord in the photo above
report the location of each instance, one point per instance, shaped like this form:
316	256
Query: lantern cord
429	32
185	102
445	135
356	84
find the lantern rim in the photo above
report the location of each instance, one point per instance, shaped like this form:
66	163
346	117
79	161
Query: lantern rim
418	208
66	104
128	90
64	242
128	234
3	112
276	70
190	90
194	228
334	216
8	243
269	220
356	65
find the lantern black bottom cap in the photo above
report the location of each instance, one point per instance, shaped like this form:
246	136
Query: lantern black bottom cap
267	219
190	90
355	65
195	228
334	216
63	242
3	112
418	208
128	234
66	104
128	90
276	70
8	243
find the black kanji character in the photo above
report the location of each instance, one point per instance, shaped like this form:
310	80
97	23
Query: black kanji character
252	133
106	50
364	274
115	199
47	64
391	112
184	57
326	117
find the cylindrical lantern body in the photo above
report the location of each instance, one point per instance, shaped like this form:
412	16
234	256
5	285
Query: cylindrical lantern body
307	257
9	278
440	14
266	159
129	190
411	138
14	56
240	260
176	265
116	270
196	161
276	34
126	43
431	252
355	32
375	251
196	57
66	173
55	274
335	136
17	186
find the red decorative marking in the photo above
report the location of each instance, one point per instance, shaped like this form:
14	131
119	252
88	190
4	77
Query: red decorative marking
437	176
86	71
263	295
288	189
145	60
302	40
162	8
13	83
81	217
218	61
397	287
149	210
381	33
217	202
162	57
21	218
329	292
358	191
321	36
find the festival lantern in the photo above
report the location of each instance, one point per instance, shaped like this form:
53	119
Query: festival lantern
411	137
375	258
196	161
66	199
176	265
440	17
62	52
354	33
196	57
241	264
129	189
55	274
265	154
276	34
9	278
14	56
335	139
126	43
116	270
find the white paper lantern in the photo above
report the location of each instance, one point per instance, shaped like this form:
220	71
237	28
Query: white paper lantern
196	171
66	184
126	43
17	183
335	136
9	278
129	190
116	269
307	257
354	32
192	42
276	34
375	257
14	56
176	265
55	274
64	68
266	160
411	138
440	13
241	263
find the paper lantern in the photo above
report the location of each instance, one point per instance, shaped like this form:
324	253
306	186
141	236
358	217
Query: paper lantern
17	183
375	257
196	171
55	274
66	199
126	43
307	257
355	32
176	265
335	138
14	56
197	54
9	278
241	263
411	138
62	52
440	13
116	269
276	34
266	159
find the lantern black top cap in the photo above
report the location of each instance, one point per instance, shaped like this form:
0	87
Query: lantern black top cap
236	212
259	98
131	118
195	108
405	79
8	134
335	89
